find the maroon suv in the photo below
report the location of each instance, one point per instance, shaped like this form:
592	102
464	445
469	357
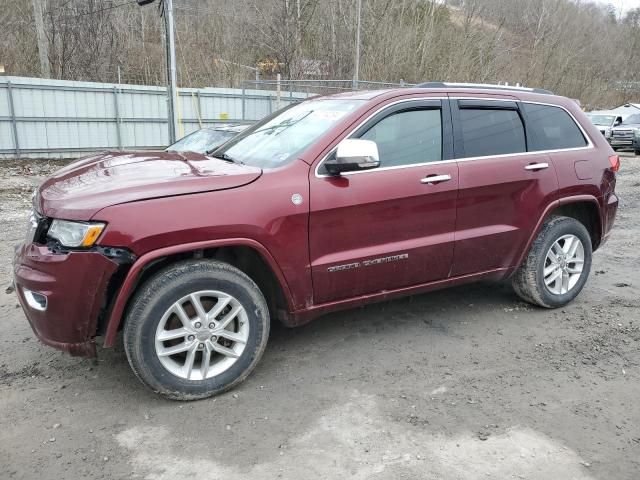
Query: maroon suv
330	203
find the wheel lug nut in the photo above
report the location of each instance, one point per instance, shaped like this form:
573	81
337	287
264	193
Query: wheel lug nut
201	346
191	337
214	338
198	325
211	326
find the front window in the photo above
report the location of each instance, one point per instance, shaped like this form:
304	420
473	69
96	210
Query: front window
408	137
280	138
602	120
632	120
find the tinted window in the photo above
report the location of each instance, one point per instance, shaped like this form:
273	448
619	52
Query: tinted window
405	138
552	128
491	132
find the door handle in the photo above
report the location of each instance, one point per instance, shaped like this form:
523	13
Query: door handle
536	166
436	179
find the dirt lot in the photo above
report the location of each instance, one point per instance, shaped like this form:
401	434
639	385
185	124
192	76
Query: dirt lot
466	383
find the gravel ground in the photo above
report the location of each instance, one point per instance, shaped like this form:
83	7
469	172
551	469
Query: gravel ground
466	383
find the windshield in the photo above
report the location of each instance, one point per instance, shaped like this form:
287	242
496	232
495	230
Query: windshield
202	140
604	120
280	138
632	120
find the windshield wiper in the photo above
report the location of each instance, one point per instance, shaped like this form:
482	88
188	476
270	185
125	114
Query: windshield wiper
224	156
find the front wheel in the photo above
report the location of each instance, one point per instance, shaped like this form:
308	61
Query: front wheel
557	266
196	329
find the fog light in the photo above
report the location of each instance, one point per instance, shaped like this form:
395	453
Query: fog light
35	300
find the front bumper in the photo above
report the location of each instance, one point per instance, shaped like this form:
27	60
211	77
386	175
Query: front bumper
74	285
622	143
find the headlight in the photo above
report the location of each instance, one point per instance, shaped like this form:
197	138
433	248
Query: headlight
75	234
607	133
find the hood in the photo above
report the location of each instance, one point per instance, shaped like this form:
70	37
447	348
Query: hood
82	188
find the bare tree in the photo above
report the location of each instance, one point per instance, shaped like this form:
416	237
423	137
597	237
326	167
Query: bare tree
579	49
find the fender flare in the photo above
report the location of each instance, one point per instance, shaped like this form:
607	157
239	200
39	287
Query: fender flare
552	206
130	282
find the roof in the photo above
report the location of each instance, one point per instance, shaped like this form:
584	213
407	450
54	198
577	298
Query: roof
626	109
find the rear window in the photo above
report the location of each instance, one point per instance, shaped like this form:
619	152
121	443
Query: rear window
552	128
491	132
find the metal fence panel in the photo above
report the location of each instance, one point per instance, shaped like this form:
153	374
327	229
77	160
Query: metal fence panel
61	119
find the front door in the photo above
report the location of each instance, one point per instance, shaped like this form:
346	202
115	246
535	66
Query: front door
393	226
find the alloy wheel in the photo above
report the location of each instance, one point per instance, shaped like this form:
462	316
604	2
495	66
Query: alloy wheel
564	264
202	335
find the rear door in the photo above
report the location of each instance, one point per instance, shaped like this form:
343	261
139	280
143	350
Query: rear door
392	226
503	188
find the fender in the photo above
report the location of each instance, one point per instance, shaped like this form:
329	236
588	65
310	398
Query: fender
553	205
129	283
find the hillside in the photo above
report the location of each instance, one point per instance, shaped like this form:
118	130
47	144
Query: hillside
575	48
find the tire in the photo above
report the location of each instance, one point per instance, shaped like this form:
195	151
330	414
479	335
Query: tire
154	313
636	151
529	279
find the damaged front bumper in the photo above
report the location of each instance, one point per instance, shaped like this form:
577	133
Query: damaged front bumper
63	294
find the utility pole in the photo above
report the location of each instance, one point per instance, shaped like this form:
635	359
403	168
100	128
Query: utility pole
43	41
172	89
356	68
170	49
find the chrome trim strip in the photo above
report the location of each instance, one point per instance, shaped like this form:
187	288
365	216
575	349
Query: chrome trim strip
589	145
537	166
435	179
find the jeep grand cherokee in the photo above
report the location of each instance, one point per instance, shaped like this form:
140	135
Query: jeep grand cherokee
330	203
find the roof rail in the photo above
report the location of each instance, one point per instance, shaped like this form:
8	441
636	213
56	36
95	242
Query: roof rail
488	86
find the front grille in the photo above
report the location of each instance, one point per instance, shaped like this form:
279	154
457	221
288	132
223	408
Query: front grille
622	134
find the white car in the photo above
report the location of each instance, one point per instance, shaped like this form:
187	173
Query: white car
605	121
207	139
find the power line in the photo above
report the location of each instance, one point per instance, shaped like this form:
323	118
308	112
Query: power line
198	11
92	12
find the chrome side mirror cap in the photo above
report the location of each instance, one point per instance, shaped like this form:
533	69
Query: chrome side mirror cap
354	154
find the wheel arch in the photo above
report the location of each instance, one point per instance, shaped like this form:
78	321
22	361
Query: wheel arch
248	255
584	208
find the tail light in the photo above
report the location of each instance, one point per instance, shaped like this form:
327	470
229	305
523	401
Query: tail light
614	160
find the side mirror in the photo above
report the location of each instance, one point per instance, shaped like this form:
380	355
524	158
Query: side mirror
617	122
353	155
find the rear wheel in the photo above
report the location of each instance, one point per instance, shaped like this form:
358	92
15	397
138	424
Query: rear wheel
195	329
557	266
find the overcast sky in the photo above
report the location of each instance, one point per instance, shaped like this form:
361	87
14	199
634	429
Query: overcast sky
621	5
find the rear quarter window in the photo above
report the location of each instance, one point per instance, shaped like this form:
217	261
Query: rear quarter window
551	128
